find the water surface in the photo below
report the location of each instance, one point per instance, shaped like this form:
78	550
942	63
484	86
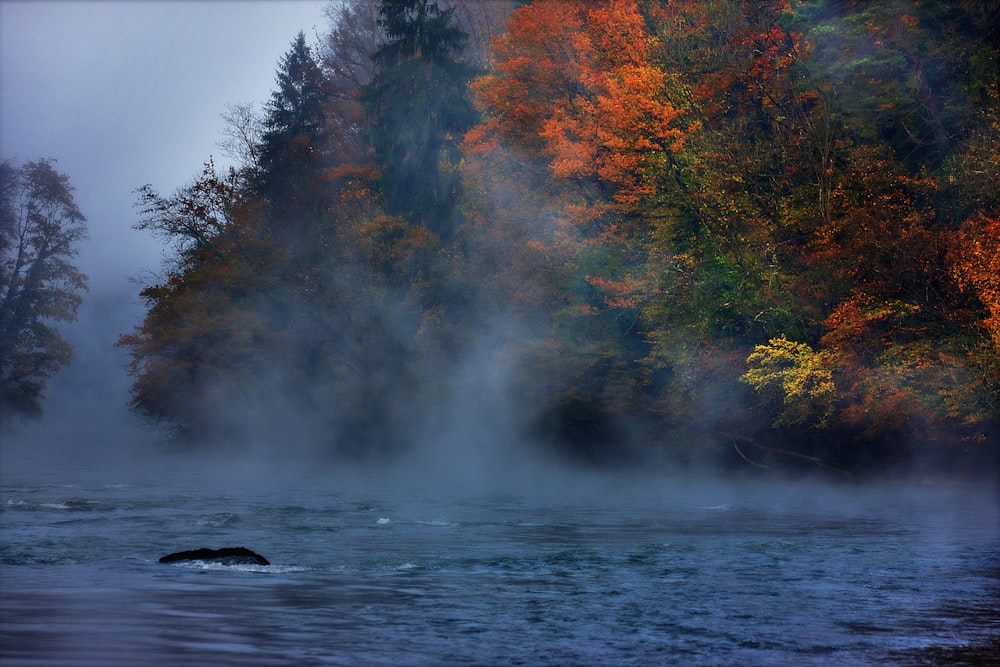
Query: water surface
726	573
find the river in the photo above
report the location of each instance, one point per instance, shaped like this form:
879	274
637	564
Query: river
657	571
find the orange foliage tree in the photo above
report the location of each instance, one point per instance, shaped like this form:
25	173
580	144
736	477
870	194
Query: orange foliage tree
575	96
976	266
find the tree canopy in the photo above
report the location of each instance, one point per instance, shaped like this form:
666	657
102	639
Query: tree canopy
730	232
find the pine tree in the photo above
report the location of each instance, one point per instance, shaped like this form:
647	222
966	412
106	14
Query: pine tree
419	107
292	150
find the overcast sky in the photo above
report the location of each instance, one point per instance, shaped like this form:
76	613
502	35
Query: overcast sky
122	94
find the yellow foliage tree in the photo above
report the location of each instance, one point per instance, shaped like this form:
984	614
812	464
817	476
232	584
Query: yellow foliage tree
802	375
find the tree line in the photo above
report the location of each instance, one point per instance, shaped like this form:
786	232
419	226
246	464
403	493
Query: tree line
754	233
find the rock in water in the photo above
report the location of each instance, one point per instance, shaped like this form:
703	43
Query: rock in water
227	556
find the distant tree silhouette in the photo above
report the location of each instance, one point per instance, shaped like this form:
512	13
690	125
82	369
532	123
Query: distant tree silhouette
40	226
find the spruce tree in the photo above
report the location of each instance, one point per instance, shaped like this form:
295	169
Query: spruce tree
292	151
419	109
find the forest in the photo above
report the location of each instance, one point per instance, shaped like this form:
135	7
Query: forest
734	233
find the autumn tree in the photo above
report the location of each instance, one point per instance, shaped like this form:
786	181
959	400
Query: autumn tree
574	87
975	263
282	288
194	218
219	315
203	326
724	174
875	124
40	228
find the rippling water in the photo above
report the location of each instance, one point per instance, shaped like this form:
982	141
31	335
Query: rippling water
701	575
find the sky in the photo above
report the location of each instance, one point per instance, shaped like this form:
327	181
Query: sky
121	94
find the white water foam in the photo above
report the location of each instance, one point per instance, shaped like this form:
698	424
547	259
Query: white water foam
239	567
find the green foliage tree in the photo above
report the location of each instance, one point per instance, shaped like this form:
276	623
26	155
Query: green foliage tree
293	148
40	228
419	108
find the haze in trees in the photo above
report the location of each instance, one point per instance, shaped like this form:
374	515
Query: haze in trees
686	231
40	227
418	105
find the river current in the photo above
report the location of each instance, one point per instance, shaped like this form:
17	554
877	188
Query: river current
662	572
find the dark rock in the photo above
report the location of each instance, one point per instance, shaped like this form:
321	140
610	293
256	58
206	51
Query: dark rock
227	556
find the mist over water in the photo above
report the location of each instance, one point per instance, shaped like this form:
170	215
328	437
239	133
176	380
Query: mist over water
497	561
474	546
449	528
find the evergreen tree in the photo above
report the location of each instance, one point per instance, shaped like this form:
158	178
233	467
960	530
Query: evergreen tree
292	150
419	107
